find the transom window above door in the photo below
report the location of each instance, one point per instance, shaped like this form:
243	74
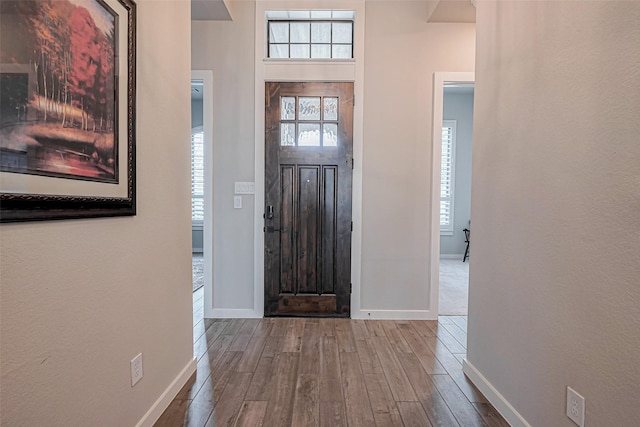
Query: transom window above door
309	121
310	34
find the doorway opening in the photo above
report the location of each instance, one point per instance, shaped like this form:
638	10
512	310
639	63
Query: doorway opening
455	198
452	138
201	200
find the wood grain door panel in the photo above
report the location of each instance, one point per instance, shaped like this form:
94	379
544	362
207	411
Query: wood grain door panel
308	190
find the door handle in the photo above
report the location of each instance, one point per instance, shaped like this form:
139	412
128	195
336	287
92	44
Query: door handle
270	212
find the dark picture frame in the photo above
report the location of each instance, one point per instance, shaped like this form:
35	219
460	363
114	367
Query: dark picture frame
67	123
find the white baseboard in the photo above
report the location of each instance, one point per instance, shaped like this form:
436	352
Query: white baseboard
163	402
235	313
394	314
494	397
451	256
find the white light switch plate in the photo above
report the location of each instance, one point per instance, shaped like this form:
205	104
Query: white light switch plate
237	202
244	187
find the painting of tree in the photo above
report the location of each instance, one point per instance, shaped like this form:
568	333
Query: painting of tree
62	121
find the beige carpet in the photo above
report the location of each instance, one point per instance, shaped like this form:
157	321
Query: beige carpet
454	287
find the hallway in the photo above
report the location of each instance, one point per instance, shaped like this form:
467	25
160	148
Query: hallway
329	372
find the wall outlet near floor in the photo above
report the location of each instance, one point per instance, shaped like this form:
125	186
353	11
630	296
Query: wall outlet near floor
575	407
136	369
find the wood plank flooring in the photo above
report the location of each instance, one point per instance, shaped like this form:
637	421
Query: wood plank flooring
278	372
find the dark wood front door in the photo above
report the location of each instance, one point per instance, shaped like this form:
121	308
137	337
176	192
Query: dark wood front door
309	162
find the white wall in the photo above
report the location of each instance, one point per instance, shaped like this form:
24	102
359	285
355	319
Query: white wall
402	53
81	298
227	48
459	107
555	269
196	112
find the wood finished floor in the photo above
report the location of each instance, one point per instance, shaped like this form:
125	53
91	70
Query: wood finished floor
329	372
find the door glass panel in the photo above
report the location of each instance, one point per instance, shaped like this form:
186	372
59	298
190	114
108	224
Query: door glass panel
330	135
279	32
321	51
341	32
300	51
288	134
309	135
330	109
300	32
278	51
320	32
309	108
287	108
341	51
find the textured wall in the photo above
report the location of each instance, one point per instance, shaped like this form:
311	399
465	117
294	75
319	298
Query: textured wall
402	53
555	272
80	298
227	48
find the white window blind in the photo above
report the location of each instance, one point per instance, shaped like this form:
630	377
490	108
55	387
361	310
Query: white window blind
197	177
447	176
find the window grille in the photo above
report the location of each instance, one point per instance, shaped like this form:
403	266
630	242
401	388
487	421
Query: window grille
310	39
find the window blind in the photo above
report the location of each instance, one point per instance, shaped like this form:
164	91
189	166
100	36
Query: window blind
197	176
447	175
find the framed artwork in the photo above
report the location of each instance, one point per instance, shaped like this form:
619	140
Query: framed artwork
67	109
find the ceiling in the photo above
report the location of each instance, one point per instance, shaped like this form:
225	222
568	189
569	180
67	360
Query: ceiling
438	10
460	11
210	10
459	89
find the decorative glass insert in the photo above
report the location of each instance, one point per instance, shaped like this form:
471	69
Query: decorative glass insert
309	108
330	135
330	109
309	134
299	38
287	134
288	108
309	121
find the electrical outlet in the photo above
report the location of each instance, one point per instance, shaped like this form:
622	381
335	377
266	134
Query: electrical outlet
136	369
575	407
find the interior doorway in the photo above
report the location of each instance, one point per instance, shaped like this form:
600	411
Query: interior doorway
455	202
308	190
201	196
452	139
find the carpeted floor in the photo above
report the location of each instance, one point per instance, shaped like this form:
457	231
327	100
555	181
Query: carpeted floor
197	269
454	287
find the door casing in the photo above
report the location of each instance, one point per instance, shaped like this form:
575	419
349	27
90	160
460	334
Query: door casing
439	80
